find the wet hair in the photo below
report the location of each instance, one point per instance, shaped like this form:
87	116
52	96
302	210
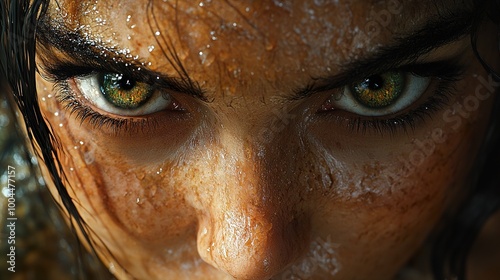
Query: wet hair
18	22
18	26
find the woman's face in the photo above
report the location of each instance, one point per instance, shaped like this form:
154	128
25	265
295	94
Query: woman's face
261	139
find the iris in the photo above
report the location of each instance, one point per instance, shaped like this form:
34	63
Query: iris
379	91
124	92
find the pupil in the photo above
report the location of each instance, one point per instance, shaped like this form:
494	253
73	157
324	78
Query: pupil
375	82
126	83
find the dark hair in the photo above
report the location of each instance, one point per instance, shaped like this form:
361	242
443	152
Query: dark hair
18	24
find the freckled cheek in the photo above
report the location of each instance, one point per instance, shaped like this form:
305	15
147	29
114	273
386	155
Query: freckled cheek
389	199
140	196
148	204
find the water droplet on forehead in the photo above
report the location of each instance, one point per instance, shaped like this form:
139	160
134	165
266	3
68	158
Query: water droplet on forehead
213	35
151	48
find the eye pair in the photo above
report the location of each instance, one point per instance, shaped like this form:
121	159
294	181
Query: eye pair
377	95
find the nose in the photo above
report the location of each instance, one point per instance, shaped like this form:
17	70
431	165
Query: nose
247	243
250	226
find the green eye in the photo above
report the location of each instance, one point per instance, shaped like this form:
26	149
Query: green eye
379	91
124	92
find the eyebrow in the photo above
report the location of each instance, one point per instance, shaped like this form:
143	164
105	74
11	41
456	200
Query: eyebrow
406	49
84	56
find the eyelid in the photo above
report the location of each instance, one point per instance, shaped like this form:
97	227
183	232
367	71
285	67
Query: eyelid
89	88
450	69
415	87
60	70
438	95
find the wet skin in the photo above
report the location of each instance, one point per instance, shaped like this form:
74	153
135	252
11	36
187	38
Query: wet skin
238	177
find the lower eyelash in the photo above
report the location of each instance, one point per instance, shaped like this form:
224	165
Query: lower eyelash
406	122
84	113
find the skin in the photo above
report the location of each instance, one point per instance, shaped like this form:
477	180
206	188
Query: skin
249	184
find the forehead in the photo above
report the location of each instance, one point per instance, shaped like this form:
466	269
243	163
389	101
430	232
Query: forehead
244	38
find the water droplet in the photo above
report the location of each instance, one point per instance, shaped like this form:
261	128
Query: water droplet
213	35
157	33
56	114
151	48
270	45
89	157
112	268
153	190
206	58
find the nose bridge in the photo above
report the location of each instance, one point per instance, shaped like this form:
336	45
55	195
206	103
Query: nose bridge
248	226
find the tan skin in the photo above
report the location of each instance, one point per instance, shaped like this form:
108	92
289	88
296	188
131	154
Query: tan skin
247	182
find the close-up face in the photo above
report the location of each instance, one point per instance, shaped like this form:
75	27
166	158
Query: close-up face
262	139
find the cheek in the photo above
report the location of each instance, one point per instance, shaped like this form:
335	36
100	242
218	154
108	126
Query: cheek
121	201
390	191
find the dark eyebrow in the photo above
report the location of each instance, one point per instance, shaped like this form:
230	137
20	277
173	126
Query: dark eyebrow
83	56
405	49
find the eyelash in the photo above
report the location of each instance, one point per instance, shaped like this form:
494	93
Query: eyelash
67	98
406	121
447	73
